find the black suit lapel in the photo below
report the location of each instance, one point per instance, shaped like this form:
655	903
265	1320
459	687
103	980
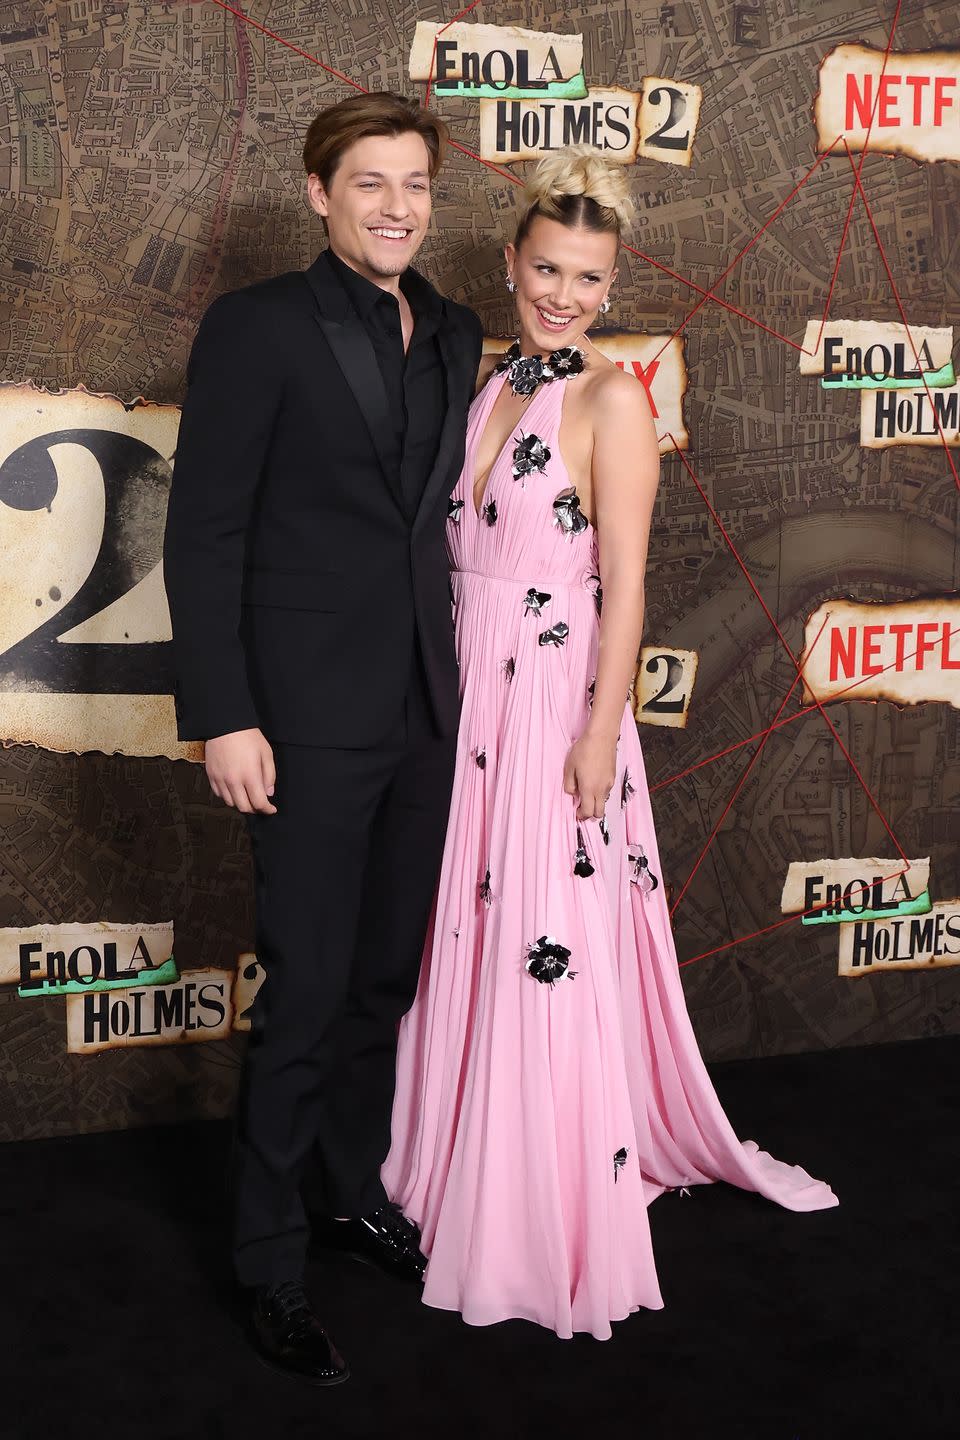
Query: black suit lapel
354	353
454	420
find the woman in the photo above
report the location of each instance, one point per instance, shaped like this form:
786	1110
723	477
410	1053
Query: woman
549	1082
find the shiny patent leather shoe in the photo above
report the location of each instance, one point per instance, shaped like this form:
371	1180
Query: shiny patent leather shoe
385	1238
289	1338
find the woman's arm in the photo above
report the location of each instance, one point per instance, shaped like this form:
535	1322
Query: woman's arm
625	473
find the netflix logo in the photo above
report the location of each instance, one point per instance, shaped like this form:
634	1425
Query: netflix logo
908	106
907	652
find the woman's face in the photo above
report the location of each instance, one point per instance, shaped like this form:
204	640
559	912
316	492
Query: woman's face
561	275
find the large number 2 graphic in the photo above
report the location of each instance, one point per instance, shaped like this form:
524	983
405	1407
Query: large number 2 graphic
678	108
659	704
49	523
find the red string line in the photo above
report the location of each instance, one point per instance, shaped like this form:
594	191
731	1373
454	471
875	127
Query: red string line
783	640
746	774
863	156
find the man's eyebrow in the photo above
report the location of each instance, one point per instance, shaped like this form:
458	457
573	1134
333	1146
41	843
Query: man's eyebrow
379	175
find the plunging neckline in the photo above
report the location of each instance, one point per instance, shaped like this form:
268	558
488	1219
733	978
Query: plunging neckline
496	459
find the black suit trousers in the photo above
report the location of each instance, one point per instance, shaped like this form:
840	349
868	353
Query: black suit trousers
345	877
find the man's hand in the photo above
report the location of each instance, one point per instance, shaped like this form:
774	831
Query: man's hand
241	771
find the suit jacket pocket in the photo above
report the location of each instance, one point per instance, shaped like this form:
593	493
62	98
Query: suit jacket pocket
295	589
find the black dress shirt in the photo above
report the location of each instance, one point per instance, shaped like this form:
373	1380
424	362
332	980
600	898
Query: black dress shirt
414	380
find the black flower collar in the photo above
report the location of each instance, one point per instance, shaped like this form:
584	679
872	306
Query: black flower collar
526	372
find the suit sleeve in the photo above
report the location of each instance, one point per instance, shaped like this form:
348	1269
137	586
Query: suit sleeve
234	386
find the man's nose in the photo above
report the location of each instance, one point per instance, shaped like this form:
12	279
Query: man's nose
395	203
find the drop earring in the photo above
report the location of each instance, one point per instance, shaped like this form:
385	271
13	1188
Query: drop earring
604	305
511	284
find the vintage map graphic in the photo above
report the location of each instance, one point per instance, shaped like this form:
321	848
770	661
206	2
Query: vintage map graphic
149	160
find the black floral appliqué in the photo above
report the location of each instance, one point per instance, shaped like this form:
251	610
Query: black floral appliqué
591	691
509	667
619	1160
603	829
565	362
548	961
581	860
556	635
454	510
626	789
643	877
480	756
567	513
484	891
535	600
489	512
529	455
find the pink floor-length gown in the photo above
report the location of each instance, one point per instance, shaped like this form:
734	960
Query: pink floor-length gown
534	1121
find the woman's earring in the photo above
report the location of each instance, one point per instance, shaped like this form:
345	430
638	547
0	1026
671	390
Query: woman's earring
604	305
511	284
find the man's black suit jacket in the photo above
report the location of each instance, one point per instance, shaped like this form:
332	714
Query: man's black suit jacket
296	581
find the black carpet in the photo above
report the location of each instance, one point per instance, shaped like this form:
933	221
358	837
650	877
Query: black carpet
117	1303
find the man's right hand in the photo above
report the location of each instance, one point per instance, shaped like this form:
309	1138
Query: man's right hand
241	771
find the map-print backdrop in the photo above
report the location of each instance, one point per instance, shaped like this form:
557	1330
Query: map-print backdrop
150	159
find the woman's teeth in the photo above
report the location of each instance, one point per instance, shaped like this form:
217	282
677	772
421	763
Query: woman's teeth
554	322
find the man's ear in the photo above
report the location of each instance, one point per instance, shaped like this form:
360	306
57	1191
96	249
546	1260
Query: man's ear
317	196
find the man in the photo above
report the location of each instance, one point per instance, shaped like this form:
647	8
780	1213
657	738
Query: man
305	565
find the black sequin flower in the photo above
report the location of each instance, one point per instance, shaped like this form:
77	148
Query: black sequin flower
581	860
619	1160
554	636
529	454
567	513
484	891
454	509
603	830
548	961
480	756
566	362
626	789
489	513
642	876
509	667
535	600
526	372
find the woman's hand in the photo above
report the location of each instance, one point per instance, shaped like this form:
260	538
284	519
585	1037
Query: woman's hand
589	773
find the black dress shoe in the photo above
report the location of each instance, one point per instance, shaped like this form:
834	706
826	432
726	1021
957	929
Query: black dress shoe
289	1338
385	1238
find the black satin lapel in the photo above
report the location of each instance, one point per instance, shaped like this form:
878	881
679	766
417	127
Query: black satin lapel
454	418
355	355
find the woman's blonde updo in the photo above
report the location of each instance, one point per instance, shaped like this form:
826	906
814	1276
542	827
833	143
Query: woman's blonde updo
580	188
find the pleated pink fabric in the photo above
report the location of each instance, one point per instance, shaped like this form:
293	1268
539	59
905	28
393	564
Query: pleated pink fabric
534	1122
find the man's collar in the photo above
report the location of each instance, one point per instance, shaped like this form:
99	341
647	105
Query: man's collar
366	293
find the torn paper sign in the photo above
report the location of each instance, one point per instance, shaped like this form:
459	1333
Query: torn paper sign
94	954
876	349
500	55
835	889
921	416
195	1009
907	651
909	942
664	685
85	652
908	104
608	119
669	112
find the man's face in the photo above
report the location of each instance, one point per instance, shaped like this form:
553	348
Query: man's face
377	206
